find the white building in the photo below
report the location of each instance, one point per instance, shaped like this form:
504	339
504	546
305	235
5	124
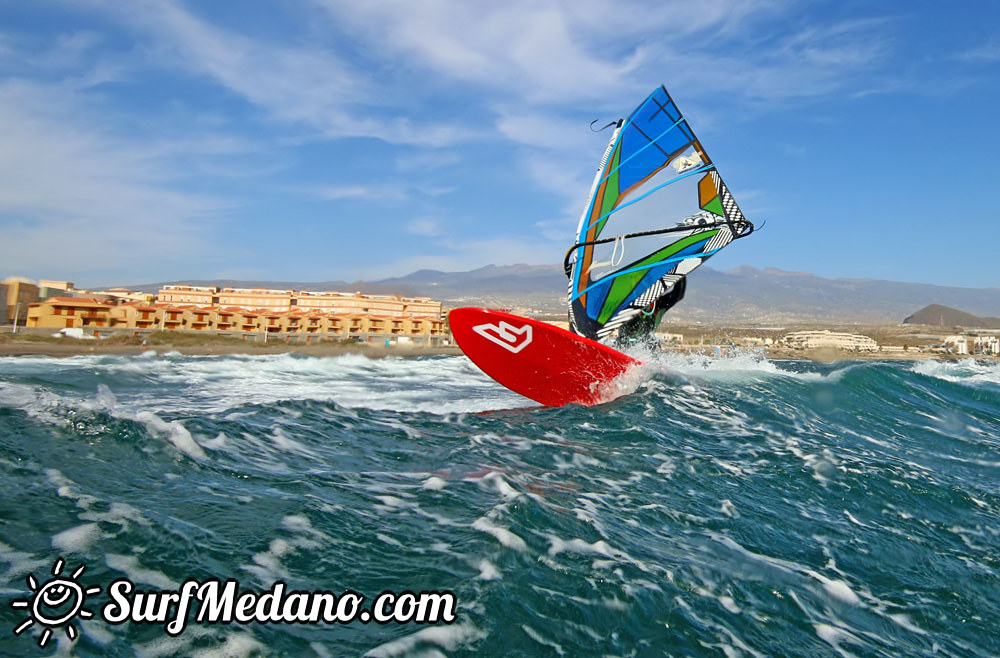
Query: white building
957	344
986	345
804	340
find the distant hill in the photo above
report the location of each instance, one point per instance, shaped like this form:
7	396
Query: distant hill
935	314
745	294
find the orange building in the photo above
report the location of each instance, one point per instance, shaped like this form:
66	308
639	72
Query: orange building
181	294
271	300
136	315
225	318
305	300
69	313
199	319
362	317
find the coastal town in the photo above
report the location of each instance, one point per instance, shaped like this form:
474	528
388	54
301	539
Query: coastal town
308	317
237	312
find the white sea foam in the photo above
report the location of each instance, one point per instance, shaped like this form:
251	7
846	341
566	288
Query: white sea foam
267	565
834	636
488	571
434	483
174	431
236	645
439	385
66	488
495	481
967	371
449	638
502	535
165	645
129	565
537	637
736	364
77	539
392	541
19	561
118	513
838	589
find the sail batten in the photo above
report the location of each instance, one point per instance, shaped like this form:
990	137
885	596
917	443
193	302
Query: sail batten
651	143
657	210
661	185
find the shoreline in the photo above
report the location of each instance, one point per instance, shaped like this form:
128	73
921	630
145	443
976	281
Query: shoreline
15	348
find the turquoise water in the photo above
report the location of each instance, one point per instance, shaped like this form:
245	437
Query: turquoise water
735	507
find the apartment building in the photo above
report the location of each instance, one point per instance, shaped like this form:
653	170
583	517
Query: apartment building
70	313
826	338
65	286
125	295
271	300
305	300
356	320
20	293
197	295
136	316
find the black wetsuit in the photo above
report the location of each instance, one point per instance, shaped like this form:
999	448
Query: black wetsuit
640	328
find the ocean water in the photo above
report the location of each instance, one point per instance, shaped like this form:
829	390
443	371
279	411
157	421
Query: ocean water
726	507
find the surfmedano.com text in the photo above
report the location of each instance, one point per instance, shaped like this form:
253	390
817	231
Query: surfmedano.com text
224	603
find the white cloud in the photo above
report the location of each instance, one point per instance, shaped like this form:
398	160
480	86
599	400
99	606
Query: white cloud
425	226
76	199
381	192
529	49
309	84
366	192
542	130
987	52
427	160
542	67
563	54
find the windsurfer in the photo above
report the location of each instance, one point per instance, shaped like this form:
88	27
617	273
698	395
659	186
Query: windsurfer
656	187
640	329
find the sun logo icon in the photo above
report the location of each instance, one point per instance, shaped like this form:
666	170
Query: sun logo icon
55	603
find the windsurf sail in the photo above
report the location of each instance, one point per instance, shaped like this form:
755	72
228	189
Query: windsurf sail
657	210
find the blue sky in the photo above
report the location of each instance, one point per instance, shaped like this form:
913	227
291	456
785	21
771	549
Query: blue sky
320	139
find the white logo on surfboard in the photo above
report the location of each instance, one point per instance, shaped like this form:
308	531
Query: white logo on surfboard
506	335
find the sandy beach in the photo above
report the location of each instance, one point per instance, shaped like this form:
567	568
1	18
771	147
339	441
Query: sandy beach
11	345
27	345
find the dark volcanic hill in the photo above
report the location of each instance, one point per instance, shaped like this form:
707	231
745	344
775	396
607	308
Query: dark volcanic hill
943	316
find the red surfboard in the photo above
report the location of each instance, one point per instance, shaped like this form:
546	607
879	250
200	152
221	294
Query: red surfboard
539	360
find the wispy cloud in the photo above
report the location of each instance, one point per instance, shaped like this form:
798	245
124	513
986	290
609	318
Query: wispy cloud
427	161
366	192
987	52
392	192
426	226
545	69
77	199
308	84
560	54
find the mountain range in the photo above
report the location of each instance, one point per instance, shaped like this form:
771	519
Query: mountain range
742	295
